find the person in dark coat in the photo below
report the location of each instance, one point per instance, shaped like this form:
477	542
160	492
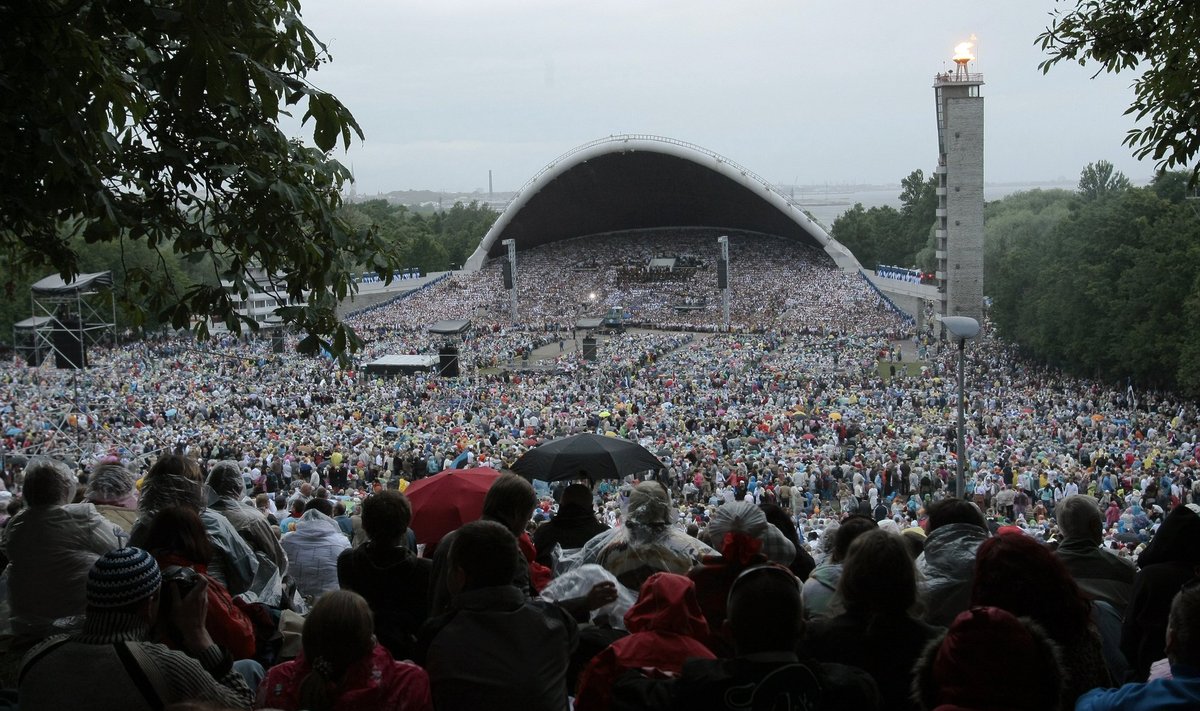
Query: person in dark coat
394	581
876	632
1170	560
573	525
766	620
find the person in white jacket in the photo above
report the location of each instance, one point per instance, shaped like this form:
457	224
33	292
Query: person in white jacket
313	549
51	545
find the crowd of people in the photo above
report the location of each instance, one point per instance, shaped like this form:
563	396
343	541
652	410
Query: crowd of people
219	492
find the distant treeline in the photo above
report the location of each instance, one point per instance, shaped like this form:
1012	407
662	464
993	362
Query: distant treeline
1103	281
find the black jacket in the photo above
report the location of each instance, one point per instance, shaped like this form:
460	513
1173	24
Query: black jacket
395	584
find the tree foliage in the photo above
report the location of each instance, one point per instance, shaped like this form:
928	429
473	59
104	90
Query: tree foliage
1100	287
885	235
155	127
432	242
1156	37
1099	179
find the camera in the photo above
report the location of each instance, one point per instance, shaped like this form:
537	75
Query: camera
183	578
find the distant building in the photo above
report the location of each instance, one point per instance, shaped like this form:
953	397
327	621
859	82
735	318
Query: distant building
959	231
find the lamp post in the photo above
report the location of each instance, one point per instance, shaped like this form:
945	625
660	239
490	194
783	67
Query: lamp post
962	328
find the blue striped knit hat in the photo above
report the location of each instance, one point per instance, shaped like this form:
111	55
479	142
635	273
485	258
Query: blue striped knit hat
121	578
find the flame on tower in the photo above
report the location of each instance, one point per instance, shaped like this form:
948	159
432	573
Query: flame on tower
962	51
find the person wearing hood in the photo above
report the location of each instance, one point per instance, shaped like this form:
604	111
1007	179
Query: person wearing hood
225	481
1170	560
573	525
648	543
110	488
175	480
741	532
313	550
392	579
665	628
956	530
51	545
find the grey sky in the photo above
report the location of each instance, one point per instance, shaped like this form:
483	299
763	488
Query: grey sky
804	91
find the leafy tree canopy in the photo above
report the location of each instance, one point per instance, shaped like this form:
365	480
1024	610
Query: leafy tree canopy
156	125
1100	179
1156	37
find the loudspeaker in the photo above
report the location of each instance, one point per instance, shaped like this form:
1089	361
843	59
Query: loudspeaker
448	362
277	342
69	350
722	274
506	271
589	348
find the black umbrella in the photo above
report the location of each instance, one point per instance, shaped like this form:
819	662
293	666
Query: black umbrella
585	456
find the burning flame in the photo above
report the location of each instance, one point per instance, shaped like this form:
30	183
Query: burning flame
962	51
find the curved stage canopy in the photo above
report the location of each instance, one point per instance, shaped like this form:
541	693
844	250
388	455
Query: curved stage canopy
631	182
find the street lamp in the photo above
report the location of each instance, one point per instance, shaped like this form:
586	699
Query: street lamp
962	328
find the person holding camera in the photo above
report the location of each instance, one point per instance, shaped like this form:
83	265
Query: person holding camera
177	540
113	664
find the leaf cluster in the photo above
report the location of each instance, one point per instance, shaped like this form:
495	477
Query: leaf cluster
1160	39
156	125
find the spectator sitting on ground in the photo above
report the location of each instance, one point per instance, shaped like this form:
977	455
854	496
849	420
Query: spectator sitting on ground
877	632
113	665
225	480
741	532
574	525
177	540
959	670
175	480
110	488
820	590
648	543
313	549
956	530
496	649
766	620
1182	689
51	545
1020	575
1168	562
1100	573
394	581
342	666
665	626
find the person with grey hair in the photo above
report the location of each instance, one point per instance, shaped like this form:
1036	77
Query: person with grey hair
226	483
110	488
1101	574
648	543
51	545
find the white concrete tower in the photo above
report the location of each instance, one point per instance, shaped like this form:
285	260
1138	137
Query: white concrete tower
959	173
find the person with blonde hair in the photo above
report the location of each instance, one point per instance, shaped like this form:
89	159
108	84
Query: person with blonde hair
341	666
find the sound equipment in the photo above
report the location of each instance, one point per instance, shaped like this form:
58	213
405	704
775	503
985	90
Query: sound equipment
277	342
722	274
70	352
506	271
589	348
448	362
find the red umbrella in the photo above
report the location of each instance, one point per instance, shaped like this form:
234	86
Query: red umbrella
443	502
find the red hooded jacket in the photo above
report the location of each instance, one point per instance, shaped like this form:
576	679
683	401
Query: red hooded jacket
664	626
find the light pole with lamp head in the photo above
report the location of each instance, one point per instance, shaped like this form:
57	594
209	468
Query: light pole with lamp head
962	328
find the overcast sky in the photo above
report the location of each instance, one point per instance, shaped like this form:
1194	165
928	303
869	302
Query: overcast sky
799	91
